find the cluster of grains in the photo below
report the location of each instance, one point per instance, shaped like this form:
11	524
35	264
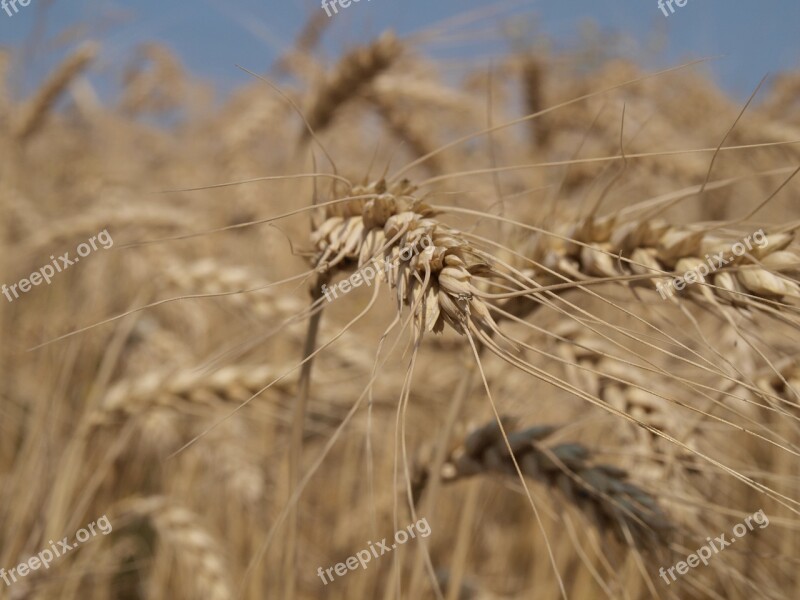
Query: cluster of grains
437	282
601	491
656	250
158	402
227	385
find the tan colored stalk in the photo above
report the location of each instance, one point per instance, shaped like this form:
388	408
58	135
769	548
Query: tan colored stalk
296	439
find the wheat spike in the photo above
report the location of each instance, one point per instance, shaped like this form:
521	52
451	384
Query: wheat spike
356	230
158	397
603	247
354	72
35	110
601	491
201	565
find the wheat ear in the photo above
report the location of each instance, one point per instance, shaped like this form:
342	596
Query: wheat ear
657	251
602	492
354	72
441	282
183	391
36	109
200	562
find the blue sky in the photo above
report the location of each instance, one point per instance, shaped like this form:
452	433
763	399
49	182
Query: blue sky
753	37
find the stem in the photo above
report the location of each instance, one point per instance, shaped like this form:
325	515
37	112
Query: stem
461	546
296	441
428	501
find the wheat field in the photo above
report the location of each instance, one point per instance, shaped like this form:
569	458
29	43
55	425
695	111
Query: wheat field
210	381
